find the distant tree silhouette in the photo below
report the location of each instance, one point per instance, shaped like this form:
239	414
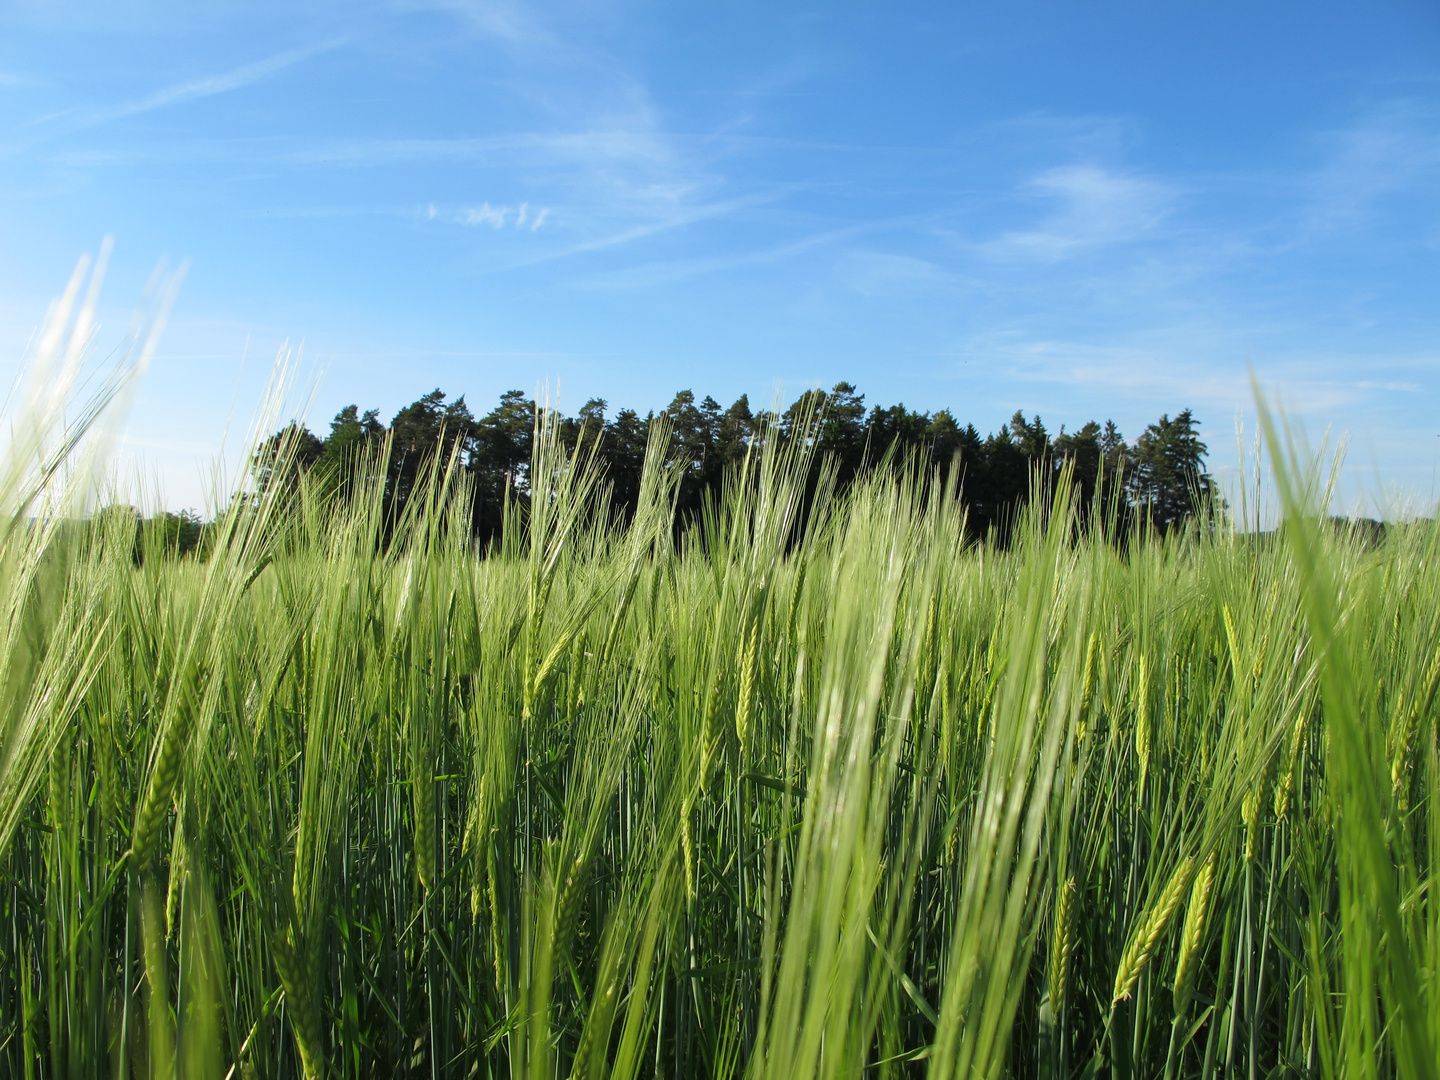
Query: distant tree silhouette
1167	480
284	456
418	431
1161	478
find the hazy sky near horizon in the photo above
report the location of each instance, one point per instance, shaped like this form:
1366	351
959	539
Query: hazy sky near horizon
1083	210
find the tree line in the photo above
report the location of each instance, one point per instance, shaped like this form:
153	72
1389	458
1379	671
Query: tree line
1160	477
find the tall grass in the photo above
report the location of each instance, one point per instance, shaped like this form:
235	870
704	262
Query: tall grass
756	802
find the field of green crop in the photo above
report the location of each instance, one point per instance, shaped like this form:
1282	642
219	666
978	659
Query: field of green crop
855	800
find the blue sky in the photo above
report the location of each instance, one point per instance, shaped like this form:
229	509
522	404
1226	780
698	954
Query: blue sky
1085	210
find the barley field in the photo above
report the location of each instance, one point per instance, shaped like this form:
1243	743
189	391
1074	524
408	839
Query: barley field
348	797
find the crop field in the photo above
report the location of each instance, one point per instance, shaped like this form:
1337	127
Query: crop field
347	797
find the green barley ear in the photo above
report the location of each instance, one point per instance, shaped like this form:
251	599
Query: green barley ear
1187	969
1147	935
1236	665
1250	813
687	844
1292	759
567	908
159	793
1062	940
1051	1018
1142	720
300	1001
179	864
1401	750
1087	682
747	689
422	788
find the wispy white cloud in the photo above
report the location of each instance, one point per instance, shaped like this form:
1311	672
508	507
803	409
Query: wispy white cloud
592	139
485	215
686	216
1097	207
522	217
1395	387
1071	136
1196	364
598	140
1128	375
602	175
194	89
882	273
664	272
506	20
606	149
1389	151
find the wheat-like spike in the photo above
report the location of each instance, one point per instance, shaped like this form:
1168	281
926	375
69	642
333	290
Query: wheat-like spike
179	864
1187	968
1400	762
1061	942
567	910
1147	936
687	844
1282	793
158	794
1233	640
1087	683
747	688
1250	813
927	642
1142	719
1292	757
424	807
305	1021
492	876
709	740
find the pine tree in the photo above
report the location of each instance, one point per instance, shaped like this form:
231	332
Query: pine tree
1168	481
